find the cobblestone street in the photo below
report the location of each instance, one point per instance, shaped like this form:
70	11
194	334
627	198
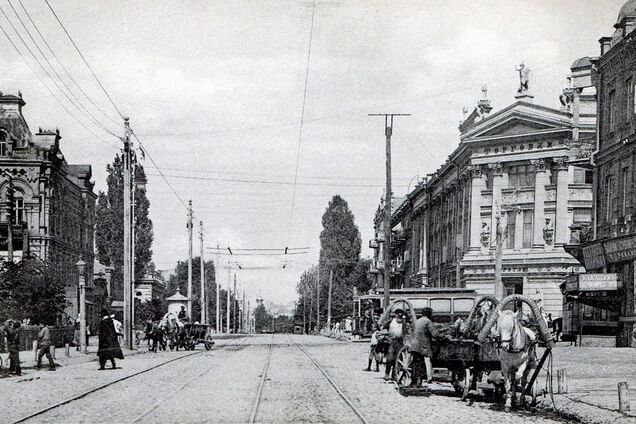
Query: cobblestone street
222	385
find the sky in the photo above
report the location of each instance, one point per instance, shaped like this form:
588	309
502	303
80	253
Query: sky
214	91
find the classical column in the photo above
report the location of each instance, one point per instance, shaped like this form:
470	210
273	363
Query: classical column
540	181
497	185
478	184
562	195
518	217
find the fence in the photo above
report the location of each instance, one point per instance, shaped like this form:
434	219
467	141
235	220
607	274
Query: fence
29	333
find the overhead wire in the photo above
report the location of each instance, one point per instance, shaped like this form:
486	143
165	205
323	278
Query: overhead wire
74	101
302	120
15	47
79	87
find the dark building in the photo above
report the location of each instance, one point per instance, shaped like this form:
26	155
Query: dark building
614	249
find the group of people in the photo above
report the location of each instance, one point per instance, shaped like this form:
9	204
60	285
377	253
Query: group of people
108	349
345	325
387	341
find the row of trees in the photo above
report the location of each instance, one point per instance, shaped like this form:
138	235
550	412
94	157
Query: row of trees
340	246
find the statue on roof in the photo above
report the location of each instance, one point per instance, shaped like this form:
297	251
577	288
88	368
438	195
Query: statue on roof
524	78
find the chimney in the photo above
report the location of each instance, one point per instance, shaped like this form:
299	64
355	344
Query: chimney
606	44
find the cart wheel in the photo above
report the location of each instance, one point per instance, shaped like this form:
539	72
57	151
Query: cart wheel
403	367
208	343
468	377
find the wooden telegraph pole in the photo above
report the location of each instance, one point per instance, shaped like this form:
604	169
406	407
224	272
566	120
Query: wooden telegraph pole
329	298
190	260
204	299
388	132
127	239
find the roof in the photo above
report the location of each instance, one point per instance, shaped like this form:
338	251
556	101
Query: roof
177	297
628	10
583	62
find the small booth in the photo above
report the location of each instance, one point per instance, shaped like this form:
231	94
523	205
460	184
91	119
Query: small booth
176	301
591	304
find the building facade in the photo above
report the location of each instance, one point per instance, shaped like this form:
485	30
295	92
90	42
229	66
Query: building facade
520	169
614	249
53	207
150	287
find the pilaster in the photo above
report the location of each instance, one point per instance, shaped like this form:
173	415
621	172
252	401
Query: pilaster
562	222
478	183
541	180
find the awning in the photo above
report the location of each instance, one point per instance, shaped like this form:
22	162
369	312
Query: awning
603	291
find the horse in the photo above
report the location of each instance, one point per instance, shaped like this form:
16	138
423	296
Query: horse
154	334
172	328
517	353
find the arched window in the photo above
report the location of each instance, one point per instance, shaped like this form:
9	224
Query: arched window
3	143
19	214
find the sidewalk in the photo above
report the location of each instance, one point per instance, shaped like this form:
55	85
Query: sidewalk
28	360
593	374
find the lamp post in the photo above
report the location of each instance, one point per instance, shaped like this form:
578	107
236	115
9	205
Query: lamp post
81	266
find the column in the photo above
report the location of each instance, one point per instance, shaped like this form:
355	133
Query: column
562	222
478	184
540	181
518	217
497	183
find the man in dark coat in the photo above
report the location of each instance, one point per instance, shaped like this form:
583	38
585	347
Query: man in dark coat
13	341
108	349
422	348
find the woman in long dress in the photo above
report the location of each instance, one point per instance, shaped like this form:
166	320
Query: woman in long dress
108	349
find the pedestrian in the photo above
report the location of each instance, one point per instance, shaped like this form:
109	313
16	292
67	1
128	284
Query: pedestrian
337	327
13	340
422	348
44	347
182	314
119	328
348	325
375	353
108	349
76	334
395	335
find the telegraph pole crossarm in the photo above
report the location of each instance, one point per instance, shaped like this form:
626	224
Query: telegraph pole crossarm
388	132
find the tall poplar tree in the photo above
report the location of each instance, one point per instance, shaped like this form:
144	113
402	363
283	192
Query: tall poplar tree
109	233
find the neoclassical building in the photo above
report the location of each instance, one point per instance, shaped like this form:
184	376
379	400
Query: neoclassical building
522	168
54	204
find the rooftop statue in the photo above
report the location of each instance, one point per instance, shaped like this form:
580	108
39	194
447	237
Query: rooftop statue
524	78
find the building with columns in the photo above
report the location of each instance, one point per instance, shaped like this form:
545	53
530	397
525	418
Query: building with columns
522	168
52	213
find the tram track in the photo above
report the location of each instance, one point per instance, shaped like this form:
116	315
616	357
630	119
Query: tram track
86	393
339	391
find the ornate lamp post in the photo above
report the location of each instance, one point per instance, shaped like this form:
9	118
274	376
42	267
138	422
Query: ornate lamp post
81	266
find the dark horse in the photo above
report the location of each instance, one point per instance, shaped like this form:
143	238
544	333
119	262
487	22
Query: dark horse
154	334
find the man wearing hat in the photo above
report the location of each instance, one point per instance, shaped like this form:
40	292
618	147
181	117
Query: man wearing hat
422	348
108	349
396	331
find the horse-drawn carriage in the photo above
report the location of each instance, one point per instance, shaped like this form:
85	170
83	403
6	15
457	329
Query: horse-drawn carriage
471	350
190	335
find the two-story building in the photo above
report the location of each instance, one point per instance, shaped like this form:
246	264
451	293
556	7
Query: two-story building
53	206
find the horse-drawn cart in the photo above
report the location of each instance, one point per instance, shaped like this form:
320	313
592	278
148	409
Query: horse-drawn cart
192	334
470	351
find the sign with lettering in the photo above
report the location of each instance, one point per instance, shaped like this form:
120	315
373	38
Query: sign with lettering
620	250
594	257
603	282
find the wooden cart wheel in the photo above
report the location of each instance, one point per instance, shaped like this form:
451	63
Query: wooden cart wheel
468	378
208	343
403	372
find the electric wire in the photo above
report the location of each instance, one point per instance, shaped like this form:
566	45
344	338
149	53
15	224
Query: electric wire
79	87
84	59
51	91
302	120
81	108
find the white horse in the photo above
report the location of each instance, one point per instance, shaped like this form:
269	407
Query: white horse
517	353
172	327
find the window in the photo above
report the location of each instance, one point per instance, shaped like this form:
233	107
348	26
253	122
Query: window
612	110
583	176
625	191
629	91
510	230
419	303
609	197
521	176
528	218
18	209
441	306
462	305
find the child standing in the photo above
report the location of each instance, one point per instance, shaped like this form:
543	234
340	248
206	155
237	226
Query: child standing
375	353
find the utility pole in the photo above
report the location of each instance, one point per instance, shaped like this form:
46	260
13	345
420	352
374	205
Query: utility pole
499	240
132	235
243	309
318	302
329	298
304	313
190	260
388	132
217	284
204	315
227	306
127	239
249	319
234	305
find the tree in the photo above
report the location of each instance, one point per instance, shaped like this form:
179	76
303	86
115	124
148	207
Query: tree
109	232
340	246
31	289
262	319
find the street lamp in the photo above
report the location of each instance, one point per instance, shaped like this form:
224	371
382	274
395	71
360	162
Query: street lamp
81	267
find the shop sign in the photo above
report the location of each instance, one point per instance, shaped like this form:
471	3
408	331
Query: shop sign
599	282
620	250
571	283
594	257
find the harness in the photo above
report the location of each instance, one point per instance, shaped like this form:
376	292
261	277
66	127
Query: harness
516	329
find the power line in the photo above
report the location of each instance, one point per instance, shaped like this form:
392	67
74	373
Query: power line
81	107
64	67
84	59
51	91
302	120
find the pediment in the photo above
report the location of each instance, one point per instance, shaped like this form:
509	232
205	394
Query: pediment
516	126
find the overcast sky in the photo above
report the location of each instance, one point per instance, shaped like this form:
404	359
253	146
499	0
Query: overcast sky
215	91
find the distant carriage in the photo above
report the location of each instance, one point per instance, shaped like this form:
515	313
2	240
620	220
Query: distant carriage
192	334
